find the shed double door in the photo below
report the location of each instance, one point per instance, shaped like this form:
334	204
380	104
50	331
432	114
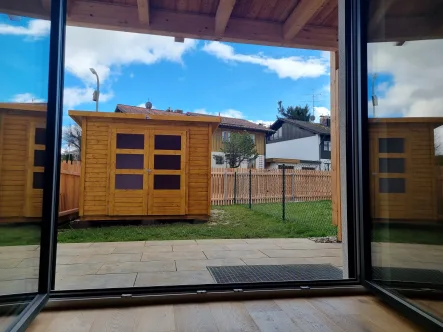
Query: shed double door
147	172
390	180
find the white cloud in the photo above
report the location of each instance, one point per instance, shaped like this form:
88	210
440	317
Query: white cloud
106	51
201	111
416	70
294	67
26	98
35	29
131	75
74	96
231	113
265	123
318	111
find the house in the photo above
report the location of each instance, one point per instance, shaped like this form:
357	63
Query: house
299	144
227	126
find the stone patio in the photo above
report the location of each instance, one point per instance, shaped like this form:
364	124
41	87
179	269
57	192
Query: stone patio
155	263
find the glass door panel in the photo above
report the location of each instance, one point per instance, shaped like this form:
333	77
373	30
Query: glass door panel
167	166
128	173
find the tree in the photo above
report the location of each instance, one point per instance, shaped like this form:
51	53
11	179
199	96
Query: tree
72	137
294	113
238	148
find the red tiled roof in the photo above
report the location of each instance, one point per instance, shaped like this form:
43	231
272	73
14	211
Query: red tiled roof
225	121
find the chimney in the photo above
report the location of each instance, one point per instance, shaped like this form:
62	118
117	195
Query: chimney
325	120
179	111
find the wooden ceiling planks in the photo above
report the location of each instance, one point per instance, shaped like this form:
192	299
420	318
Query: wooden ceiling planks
266	10
283	9
327	14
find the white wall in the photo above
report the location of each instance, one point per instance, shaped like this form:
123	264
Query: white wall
296	166
303	148
259	162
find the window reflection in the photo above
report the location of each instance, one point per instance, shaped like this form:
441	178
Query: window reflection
405	104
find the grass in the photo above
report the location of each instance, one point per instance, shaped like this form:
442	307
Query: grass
19	234
228	222
408	235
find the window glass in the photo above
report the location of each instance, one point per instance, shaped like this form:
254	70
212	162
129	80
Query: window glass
129	181
391	145
129	161
39	158
40	136
166	182
167	142
226	135
130	141
38	180
391	165
167	162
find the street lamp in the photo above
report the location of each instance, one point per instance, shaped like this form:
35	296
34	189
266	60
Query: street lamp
96	94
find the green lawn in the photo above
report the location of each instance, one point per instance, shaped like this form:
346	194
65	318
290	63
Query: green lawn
227	222
404	235
19	234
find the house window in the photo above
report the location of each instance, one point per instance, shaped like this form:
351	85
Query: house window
219	160
327	145
285	167
226	136
253	137
308	168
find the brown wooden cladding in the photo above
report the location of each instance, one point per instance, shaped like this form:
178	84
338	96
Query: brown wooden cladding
217	143
419	200
95	198
17	196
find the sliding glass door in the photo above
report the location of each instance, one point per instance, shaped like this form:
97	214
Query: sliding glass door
402	146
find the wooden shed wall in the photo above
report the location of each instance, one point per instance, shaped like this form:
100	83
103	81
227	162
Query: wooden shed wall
420	200
15	135
217	143
96	158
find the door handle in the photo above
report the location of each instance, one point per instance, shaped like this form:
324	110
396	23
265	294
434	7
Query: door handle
149	170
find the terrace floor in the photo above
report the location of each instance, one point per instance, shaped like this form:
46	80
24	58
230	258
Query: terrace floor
155	263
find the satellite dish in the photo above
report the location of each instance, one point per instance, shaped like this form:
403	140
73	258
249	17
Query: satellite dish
148	105
312	118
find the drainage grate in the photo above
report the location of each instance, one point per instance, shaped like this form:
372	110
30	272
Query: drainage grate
407	275
274	273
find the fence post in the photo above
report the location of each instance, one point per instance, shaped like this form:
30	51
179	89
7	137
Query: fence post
250	188
284	193
293	186
235	187
225	185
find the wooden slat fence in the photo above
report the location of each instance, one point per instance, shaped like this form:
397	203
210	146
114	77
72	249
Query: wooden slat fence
69	188
440	192
267	186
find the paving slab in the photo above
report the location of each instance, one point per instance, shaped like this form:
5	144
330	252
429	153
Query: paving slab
19	273
200	247
135	267
30	247
136	250
274	261
78	269
61	260
175	255
94	281
170	243
217	254
74	245
85	251
221	241
108	258
121	244
201	264
303	253
18	286
21	254
9	263
174	278
257	246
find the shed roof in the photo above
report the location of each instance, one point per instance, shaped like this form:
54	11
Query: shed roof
162	116
226	122
20	107
316	128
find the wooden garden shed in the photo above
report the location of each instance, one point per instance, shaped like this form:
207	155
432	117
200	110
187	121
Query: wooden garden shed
145	166
22	157
404	169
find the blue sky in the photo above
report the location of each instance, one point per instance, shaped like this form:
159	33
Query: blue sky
235	80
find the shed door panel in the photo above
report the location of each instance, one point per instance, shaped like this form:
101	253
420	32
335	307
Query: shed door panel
128	173
167	168
390	180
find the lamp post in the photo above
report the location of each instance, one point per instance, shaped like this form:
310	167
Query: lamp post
96	94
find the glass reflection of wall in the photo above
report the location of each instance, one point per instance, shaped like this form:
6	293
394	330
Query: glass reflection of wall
405	106
23	94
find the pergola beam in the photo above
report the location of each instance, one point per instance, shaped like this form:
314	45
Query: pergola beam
222	15
125	18
143	11
379	14
300	16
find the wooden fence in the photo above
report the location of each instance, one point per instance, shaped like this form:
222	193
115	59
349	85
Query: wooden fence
440	192
69	188
267	186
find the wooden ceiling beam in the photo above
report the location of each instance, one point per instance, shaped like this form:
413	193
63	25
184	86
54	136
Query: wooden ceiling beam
379	14
300	16
143	11
125	18
222	15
